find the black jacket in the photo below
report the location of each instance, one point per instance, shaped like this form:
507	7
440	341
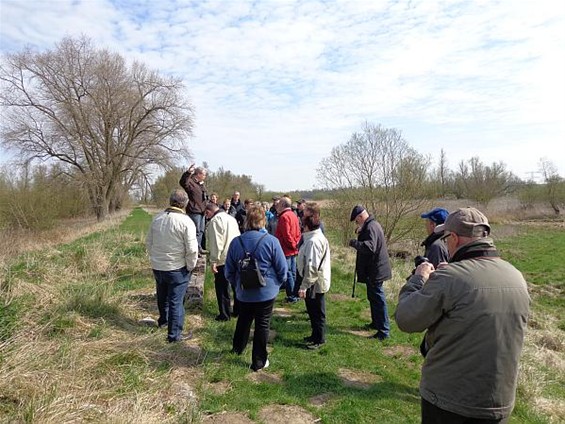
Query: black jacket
372	255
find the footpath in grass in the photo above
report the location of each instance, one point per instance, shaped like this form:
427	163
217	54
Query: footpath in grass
72	348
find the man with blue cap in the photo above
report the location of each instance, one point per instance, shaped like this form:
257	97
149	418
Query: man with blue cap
435	247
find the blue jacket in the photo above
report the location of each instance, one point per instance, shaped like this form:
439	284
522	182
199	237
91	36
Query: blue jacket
271	261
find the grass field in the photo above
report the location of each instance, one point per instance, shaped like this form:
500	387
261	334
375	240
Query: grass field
72	348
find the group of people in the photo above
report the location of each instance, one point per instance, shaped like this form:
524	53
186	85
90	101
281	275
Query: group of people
472	305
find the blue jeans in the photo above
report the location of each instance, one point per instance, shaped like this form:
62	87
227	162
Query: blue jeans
199	222
379	311
171	288
290	277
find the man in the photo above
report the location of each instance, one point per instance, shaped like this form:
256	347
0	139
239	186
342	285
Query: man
288	234
192	181
173	251
220	232
241	214
273	219
435	248
372	267
314	268
475	309
236	201
300	211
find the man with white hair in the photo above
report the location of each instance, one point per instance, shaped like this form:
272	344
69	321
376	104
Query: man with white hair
475	309
173	251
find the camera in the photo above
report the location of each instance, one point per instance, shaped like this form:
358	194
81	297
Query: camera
419	260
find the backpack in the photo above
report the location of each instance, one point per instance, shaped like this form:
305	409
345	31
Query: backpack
249	273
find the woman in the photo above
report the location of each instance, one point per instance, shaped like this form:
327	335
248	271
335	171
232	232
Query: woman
314	269
255	303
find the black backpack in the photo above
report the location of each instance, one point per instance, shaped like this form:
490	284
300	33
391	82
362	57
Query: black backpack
249	273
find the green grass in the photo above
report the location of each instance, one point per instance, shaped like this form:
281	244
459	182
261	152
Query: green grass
87	344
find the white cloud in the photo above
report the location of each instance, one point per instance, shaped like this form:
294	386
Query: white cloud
277	84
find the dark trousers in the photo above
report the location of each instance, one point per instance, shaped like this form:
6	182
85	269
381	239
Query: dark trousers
379	310
222	287
171	288
261	312
316	308
431	414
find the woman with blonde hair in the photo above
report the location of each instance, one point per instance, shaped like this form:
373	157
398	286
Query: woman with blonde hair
256	303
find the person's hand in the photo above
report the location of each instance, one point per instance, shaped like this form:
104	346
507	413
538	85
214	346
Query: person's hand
424	270
302	293
191	168
352	242
442	265
214	268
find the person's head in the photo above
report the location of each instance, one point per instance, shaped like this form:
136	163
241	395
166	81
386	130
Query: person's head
255	218
359	214
214	198
434	218
276	200
178	198
462	227
236	195
210	210
300	204
283	203
247	203
265	206
200	174
227	204
311	217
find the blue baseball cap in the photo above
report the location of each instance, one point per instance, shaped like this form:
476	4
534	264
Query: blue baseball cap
437	215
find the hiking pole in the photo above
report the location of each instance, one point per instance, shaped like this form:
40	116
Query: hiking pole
354	281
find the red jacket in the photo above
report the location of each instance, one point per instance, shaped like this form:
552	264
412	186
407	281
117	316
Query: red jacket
288	232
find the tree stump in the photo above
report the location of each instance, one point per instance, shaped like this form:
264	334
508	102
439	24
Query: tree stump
194	297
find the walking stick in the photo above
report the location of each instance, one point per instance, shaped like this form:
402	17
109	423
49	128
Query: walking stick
354	281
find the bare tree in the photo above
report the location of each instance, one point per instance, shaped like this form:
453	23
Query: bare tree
482	183
88	109
554	185
378	168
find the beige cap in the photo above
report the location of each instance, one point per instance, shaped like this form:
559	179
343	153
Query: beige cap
466	222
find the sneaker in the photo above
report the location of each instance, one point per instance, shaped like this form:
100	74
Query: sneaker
379	336
314	346
267	363
221	318
181	338
292	299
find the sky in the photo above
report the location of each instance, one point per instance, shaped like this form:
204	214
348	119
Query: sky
277	84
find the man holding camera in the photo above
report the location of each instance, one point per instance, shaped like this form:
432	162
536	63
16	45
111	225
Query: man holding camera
475	309
372	267
435	249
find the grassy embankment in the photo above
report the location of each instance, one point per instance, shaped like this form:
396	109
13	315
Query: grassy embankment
71	347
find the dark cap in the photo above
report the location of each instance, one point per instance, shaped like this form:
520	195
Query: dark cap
276	198
437	215
356	211
301	201
466	222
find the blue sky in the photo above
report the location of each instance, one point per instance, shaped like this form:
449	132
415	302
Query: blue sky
277	84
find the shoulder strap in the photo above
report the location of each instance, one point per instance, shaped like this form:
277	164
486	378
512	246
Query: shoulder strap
323	257
256	246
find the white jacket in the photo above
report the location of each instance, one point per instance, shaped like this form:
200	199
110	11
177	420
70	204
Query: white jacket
220	232
310	255
171	241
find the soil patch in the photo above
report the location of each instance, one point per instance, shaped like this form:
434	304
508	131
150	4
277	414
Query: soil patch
227	417
285	414
399	351
358	379
361	333
339	297
281	312
264	377
321	399
220	387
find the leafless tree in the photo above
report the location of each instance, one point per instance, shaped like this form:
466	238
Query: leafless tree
108	121
378	168
554	185
481	182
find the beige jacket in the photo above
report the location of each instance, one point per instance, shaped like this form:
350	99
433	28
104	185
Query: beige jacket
220	232
314	268
171	241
